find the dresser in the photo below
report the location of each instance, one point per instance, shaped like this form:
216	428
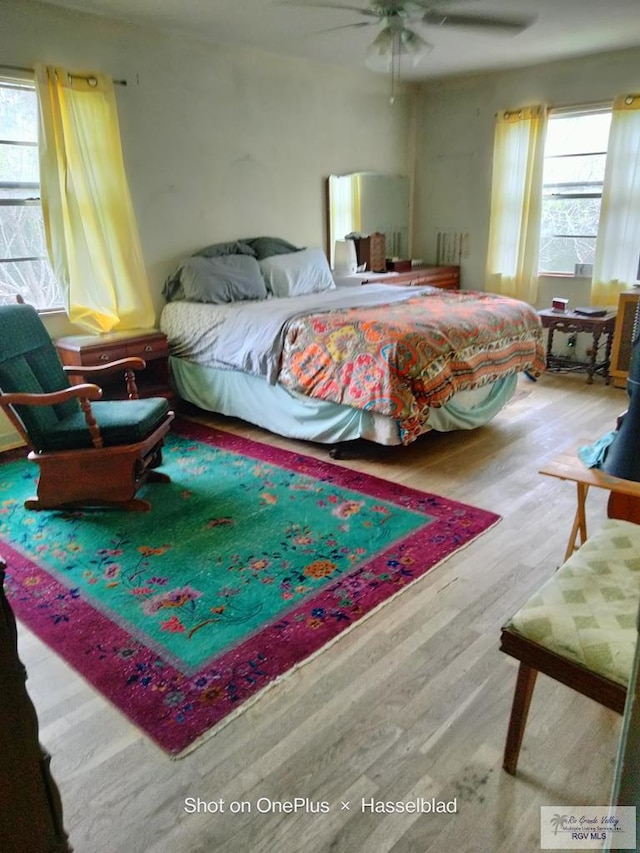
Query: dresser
30	807
444	277
92	350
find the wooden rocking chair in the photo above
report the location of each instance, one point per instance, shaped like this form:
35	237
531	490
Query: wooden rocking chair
89	451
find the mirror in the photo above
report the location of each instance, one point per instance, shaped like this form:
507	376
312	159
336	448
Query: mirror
366	202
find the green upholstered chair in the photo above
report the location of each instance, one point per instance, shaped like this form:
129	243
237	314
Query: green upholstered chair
579	628
89	451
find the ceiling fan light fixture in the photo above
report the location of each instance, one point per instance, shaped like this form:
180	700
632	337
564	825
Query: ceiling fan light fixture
413	46
396	45
381	51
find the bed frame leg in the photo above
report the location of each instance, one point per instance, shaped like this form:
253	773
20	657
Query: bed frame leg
339	451
359	448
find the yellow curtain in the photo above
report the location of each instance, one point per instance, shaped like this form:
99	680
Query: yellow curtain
356	207
618	246
91	230
516	202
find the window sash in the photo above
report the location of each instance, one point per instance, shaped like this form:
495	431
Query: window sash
24	263
573	180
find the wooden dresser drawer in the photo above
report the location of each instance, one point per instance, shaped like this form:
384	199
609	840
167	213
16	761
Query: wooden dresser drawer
154	347
446	278
99	355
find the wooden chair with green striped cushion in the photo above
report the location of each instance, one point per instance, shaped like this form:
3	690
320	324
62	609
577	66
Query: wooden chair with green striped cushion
579	627
89	451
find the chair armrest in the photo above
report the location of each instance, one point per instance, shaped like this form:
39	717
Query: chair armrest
131	363
127	365
85	391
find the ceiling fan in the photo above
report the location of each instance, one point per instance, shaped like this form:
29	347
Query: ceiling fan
398	39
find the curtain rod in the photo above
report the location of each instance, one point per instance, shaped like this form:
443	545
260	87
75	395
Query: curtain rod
73	76
584	106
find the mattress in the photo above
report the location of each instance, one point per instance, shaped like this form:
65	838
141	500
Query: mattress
382	363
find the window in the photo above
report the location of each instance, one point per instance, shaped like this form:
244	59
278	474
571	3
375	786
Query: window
24	266
574	161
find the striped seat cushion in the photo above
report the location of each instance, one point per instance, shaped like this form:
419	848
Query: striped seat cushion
587	611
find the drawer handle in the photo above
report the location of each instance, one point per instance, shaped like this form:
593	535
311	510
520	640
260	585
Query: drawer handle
148	348
104	356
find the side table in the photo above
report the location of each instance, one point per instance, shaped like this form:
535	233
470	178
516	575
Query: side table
568	466
149	344
571	323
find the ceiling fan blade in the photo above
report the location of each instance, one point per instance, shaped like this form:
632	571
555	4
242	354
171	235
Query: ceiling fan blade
344	27
371	13
445	19
415	9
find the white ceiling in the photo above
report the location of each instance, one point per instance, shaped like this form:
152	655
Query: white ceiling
563	28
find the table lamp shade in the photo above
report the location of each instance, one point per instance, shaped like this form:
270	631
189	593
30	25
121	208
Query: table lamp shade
345	258
623	454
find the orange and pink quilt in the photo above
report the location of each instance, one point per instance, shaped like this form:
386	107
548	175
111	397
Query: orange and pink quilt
403	358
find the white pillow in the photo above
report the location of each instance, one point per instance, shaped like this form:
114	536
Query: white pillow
296	273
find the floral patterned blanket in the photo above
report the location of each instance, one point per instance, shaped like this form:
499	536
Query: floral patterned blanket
400	359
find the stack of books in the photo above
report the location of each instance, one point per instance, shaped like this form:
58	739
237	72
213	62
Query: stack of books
591	312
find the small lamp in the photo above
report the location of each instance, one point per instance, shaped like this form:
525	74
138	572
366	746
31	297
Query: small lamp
623	454
345	257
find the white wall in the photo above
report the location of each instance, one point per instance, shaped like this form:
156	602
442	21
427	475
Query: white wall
219	142
455	147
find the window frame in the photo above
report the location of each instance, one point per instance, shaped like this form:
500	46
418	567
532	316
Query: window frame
575	111
28	199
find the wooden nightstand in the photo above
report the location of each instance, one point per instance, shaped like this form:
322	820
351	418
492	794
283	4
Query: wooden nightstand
149	344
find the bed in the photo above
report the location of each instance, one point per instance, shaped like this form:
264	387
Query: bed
268	338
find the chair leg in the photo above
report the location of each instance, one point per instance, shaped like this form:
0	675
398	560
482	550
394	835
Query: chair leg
525	683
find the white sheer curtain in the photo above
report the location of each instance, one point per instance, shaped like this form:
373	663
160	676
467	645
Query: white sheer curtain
618	246
516	202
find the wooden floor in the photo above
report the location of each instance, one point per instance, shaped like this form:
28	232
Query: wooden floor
412	703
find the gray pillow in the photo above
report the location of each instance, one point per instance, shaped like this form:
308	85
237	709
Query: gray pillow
297	273
266	247
173	291
234	247
230	278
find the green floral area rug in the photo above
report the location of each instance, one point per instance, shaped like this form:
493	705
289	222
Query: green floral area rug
250	561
